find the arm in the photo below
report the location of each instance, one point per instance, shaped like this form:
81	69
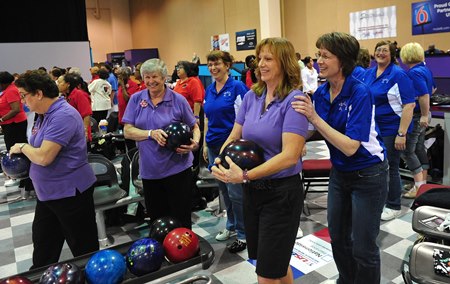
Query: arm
42	156
197	108
15	109
205	146
136	134
125	95
424	103
87	124
341	141
405	121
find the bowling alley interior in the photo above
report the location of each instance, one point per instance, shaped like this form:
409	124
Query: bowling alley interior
125	35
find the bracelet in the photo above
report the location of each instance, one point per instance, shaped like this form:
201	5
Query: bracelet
22	145
149	134
245	178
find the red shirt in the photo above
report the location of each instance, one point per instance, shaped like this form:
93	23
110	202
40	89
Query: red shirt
10	95
132	87
190	89
81	101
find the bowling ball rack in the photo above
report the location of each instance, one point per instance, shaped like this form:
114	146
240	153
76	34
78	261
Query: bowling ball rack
203	260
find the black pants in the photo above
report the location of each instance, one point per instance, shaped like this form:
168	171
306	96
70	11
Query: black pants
170	196
70	219
15	133
99	115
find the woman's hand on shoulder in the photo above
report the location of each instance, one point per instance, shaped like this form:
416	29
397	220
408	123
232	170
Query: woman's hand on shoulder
303	104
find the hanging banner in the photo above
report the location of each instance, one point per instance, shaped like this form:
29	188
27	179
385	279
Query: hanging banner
430	17
246	40
220	42
374	23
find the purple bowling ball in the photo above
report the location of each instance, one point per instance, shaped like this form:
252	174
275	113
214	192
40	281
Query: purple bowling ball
144	256
63	273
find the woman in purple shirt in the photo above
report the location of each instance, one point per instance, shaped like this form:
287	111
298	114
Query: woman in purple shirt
273	193
166	174
61	174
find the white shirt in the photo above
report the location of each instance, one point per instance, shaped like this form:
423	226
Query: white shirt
309	78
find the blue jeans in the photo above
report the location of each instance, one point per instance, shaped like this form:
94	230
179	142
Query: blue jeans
395	185
232	197
415	154
355	203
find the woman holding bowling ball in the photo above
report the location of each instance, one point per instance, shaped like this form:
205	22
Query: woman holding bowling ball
61	174
344	114
273	193
166	174
222	101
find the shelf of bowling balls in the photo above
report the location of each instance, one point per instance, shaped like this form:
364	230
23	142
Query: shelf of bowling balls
202	260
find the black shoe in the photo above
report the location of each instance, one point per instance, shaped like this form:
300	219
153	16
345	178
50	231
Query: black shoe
237	246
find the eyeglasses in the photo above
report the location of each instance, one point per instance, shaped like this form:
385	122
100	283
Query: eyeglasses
22	96
215	63
382	50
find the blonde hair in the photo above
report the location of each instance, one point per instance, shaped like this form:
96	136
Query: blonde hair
284	53
412	53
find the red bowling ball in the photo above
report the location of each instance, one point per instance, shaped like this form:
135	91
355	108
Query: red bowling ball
16	280
181	244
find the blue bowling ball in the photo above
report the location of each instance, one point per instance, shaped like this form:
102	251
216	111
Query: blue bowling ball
105	267
144	256
15	166
62	273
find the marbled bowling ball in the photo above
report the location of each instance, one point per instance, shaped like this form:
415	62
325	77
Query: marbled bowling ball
244	153
178	133
162	226
144	256
16	280
62	273
181	244
105	267
15	166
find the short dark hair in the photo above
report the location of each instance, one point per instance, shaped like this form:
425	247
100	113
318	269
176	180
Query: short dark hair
6	77
103	74
56	72
307	59
35	80
74	80
188	68
250	61
215	55
344	46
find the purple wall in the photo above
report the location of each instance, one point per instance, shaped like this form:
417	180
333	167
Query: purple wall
133	56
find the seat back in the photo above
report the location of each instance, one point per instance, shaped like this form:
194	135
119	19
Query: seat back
94	126
135	177
106	188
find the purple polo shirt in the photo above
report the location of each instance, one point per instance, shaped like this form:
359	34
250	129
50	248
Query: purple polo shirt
156	162
70	171
265	127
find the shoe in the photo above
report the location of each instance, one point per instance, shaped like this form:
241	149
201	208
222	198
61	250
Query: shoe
408	186
389	214
412	193
299	233
225	235
12	182
237	246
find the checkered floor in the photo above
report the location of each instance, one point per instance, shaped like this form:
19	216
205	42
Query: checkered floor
395	239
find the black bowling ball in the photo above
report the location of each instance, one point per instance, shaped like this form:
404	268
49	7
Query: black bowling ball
162	226
178	133
244	153
15	166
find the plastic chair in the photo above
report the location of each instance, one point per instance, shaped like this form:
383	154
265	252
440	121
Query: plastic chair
135	177
316	172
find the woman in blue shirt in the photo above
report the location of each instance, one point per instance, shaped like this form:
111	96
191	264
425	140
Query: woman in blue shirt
415	154
222	101
394	104
343	113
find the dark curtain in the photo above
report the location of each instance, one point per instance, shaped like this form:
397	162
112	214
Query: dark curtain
43	20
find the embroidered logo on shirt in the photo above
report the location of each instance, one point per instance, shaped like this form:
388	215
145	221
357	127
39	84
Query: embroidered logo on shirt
34	130
227	94
343	106
384	81
144	103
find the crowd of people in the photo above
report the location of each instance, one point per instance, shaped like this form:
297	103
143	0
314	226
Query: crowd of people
370	119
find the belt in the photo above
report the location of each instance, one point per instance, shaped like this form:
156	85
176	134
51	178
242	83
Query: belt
267	184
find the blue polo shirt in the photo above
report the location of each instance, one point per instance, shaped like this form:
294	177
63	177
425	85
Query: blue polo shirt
266	126
221	109
422	79
352	113
156	162
359	72
70	171
391	90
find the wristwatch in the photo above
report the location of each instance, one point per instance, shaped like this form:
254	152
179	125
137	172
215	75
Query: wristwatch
400	134
245	178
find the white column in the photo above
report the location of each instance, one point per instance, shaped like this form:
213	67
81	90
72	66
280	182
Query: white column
270	18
